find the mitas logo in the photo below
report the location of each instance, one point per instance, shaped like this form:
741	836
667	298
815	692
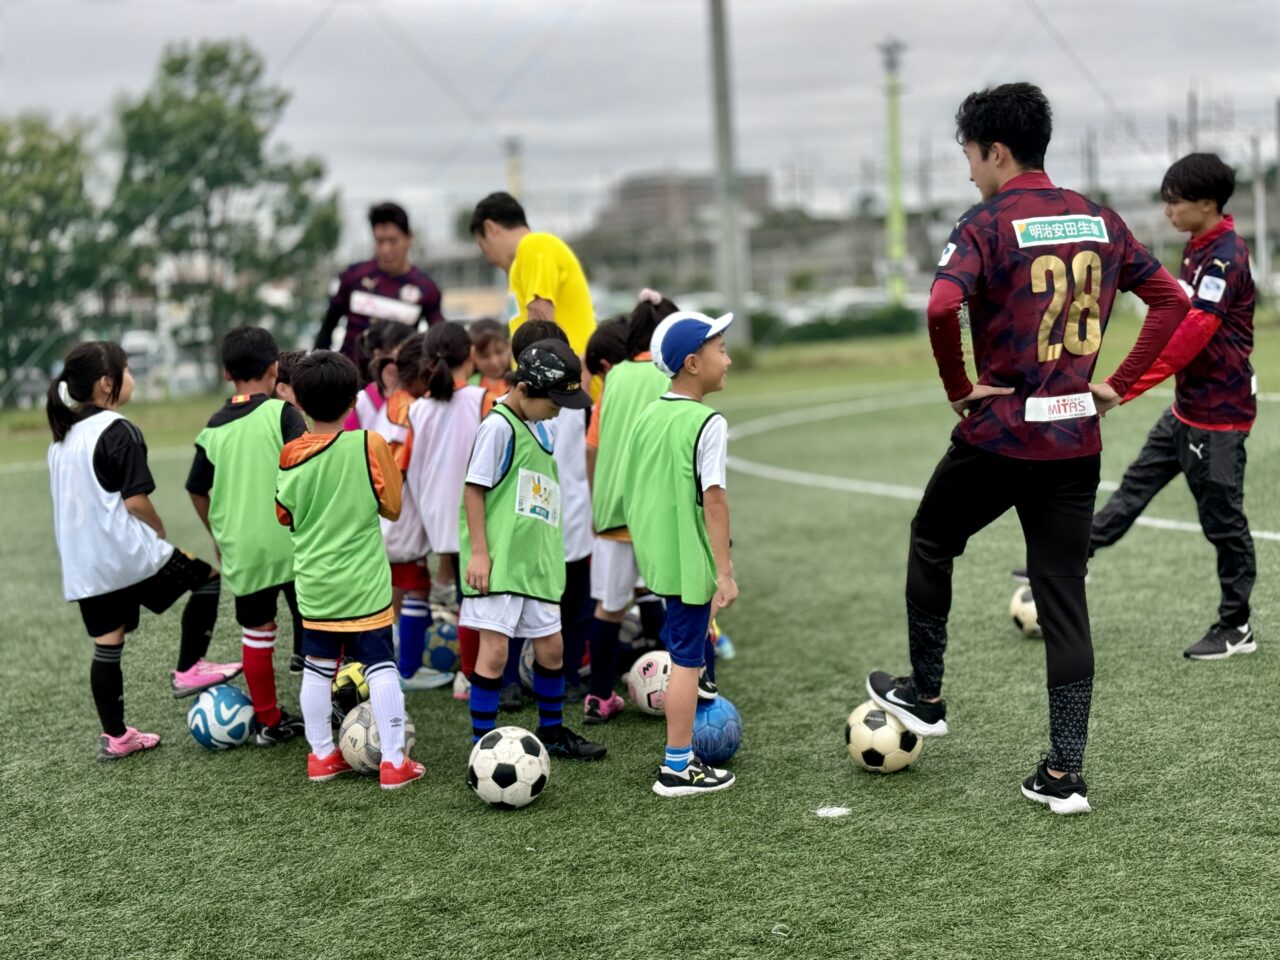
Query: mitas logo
1068	407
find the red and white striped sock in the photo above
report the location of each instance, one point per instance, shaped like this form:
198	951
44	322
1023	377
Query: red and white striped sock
260	674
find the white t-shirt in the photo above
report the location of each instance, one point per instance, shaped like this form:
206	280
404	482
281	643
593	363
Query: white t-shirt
491	453
713	448
570	439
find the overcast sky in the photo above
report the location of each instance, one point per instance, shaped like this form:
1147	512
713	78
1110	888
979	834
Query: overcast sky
411	99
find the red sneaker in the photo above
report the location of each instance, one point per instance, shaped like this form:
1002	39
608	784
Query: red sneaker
393	778
319	770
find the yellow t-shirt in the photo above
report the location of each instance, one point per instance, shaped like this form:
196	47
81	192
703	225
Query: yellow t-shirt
545	267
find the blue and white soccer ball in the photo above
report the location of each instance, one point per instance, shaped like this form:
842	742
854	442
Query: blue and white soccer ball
443	652
717	730
526	664
221	717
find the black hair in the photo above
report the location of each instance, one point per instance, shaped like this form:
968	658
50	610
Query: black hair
325	383
411	359
608	345
532	331
288	363
84	366
502	208
384	335
1015	114
248	352
1199	176
644	320
447	346
484	332
391	213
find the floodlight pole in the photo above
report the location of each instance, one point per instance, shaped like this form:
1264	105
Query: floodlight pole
1261	254
895	225
730	246
515	166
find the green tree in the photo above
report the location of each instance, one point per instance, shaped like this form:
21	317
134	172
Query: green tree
47	226
210	208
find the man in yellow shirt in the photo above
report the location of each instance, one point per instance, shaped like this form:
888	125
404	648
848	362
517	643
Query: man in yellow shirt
546	281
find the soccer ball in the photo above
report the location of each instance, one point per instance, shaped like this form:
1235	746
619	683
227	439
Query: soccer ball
877	741
359	743
647	682
349	689
526	664
442	647
221	717
508	768
717	730
629	632
1022	608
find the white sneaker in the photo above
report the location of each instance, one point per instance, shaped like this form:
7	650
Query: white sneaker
426	679
461	686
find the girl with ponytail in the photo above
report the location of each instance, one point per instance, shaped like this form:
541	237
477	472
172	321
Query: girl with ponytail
115	559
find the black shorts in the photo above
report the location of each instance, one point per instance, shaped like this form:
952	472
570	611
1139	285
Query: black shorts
259	609
109	612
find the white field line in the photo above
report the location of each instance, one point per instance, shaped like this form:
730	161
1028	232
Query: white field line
834	411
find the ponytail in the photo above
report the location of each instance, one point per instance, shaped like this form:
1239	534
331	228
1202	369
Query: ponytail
448	346
72	390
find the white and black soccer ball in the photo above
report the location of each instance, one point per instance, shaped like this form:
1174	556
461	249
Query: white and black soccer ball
647	682
877	741
1022	608
508	768
358	739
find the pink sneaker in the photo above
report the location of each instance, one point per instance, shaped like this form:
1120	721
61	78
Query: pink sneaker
601	711
114	748
201	676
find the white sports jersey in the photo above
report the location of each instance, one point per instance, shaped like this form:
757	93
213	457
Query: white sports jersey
366	411
443	432
104	548
575	494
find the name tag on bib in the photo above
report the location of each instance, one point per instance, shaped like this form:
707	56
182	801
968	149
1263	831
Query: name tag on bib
1069	406
538	496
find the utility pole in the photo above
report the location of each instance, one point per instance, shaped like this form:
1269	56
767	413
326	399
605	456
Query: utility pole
515	166
731	244
1193	119
1261	253
895	224
1173	136
1091	163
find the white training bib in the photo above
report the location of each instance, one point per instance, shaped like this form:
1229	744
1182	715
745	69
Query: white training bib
1069	406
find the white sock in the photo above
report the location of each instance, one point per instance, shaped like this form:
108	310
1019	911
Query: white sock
317	704
387	700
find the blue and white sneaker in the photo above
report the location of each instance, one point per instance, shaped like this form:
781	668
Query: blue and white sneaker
426	679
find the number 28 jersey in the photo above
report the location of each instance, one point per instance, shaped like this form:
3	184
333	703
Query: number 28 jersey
1039	268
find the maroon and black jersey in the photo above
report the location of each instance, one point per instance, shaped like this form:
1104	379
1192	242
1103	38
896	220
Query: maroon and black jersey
1217	388
1039	268
366	294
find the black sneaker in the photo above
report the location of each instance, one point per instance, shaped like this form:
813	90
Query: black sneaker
694	779
296	663
560	741
511	698
707	689
1221	642
898	696
285	730
574	691
1065	794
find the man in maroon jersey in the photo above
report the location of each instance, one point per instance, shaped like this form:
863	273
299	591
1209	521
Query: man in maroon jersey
387	287
1038	268
1202	435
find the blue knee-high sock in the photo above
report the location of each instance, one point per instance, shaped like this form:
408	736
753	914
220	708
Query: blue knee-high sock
602	640
511	672
415	618
484	704
548	687
709	654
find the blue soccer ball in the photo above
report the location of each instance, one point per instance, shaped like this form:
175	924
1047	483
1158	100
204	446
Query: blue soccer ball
717	730
442	646
221	717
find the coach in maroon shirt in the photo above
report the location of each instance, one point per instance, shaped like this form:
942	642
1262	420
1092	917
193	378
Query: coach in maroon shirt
1038	269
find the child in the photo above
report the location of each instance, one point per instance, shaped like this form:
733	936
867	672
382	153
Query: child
284	377
342	614
631	386
232	486
114	555
511	547
406	538
377	347
492	344
678	515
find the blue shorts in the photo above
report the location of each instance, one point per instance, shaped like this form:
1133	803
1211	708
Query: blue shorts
367	647
685	632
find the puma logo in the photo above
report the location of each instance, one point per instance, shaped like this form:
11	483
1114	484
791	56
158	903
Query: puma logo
1224	264
1198	451
697	776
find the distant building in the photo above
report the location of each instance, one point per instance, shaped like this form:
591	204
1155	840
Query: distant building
671	203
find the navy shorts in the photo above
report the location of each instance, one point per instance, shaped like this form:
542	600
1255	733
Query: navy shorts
367	646
685	632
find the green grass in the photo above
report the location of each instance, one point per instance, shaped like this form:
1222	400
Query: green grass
187	854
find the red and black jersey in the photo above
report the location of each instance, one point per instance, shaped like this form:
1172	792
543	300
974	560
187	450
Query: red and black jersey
1217	388
1039	268
366	294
